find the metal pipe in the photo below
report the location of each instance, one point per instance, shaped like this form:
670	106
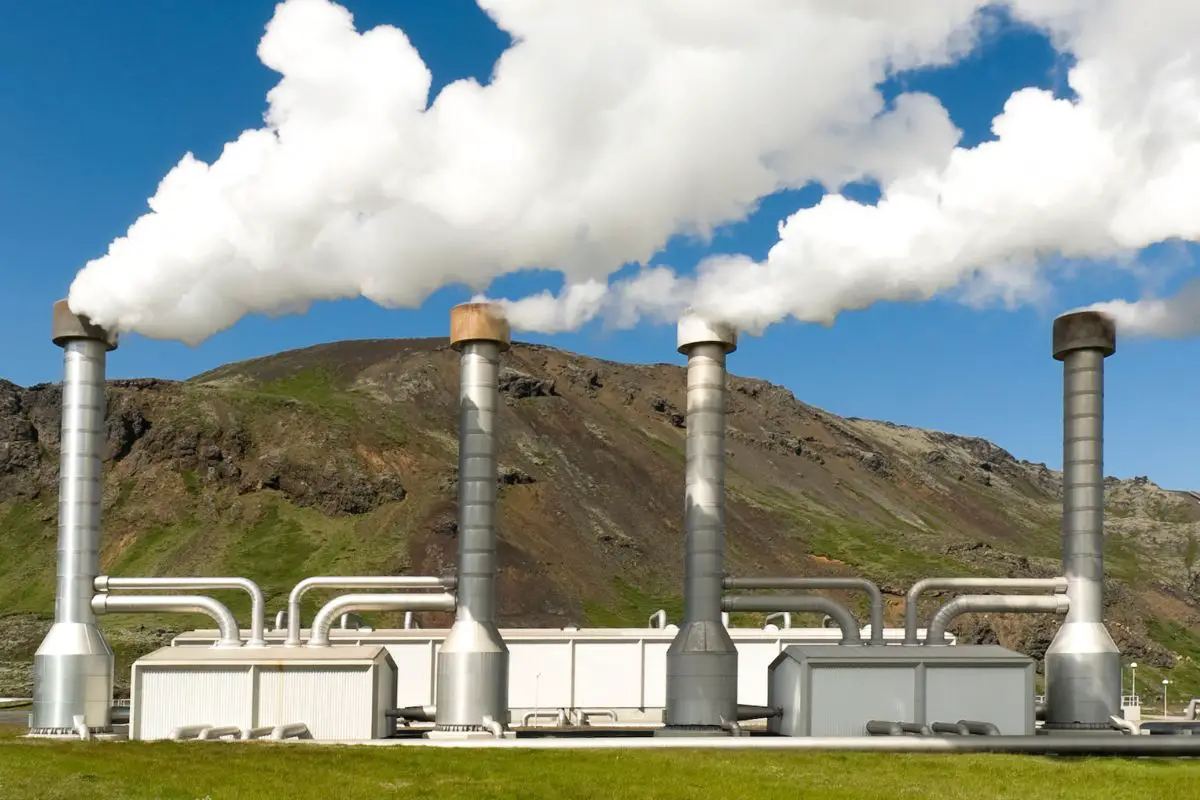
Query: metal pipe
979	728
1041	745
978	584
852	584
292	730
1083	664
219	732
472	664
330	612
230	635
412	713
786	616
879	727
658	619
702	661
293	617
956	728
258	603
746	713
73	667
999	603
798	603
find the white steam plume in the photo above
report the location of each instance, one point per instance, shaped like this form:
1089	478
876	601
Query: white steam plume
608	127
1097	178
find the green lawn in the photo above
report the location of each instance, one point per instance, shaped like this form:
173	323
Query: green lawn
32	769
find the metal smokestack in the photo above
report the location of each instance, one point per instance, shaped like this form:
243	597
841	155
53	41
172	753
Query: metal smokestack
702	662
73	668
1083	665
472	667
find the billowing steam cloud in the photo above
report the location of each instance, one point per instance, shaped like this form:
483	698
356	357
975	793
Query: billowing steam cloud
612	125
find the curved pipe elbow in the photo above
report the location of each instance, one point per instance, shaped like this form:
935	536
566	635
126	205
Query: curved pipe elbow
798	603
230	635
1001	604
1057	585
258	601
872	591
338	606
354	582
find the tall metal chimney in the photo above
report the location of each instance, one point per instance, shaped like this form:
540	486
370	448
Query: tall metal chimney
472	667
702	661
73	668
1083	665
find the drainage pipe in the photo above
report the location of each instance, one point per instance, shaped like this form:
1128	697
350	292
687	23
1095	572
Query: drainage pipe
73	667
798	603
107	583
852	584
999	603
230	634
373	602
292	615
921	587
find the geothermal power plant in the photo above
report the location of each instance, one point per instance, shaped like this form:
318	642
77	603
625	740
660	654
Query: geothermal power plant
694	682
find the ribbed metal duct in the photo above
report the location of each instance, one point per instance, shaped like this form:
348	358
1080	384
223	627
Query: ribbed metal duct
702	661
472	665
73	667
1083	665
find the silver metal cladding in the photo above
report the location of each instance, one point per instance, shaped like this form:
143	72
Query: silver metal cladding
472	665
73	667
1083	668
702	660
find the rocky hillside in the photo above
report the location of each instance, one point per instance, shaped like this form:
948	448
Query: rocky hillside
341	459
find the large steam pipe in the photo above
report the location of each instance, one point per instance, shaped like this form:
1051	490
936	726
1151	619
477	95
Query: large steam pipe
73	667
998	603
852	584
978	584
1083	664
338	606
258	603
702	660
798	603
230	635
472	665
351	582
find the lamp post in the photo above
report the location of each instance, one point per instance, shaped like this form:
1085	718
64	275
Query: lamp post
1133	679
1165	682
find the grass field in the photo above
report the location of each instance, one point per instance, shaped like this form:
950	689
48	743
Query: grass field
33	770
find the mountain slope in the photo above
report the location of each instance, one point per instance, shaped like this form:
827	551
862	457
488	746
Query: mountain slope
341	458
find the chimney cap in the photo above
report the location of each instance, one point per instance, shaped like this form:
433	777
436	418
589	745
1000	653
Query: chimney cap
1084	330
67	326
693	330
479	322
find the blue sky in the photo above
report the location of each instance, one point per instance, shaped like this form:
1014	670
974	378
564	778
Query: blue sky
99	101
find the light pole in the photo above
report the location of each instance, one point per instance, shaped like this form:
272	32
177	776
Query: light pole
1133	679
1165	682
